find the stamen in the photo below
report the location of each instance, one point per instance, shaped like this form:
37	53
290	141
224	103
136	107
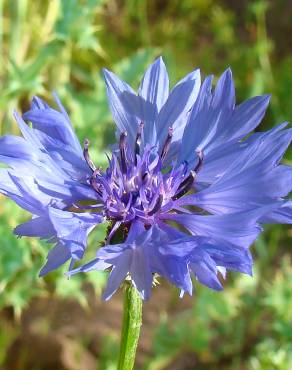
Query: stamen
103	183
200	162
185	186
167	143
93	182
86	207
86	155
112	232
138	140
157	205
96	172
95	186
122	146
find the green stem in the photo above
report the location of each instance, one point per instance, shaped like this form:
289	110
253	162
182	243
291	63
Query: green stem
132	321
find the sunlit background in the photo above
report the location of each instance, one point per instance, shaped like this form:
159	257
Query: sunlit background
61	45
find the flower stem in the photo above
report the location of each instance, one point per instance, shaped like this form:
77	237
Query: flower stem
132	321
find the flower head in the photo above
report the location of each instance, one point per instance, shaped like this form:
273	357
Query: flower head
185	187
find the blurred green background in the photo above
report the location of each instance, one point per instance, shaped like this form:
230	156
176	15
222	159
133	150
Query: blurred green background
55	323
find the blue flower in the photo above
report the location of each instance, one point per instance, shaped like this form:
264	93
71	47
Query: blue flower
185	194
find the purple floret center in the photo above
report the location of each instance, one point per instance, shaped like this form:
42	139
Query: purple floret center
139	186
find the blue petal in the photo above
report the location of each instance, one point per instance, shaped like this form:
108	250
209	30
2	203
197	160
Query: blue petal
154	91
172	268
131	258
72	229
56	257
213	111
231	257
35	195
128	258
281	215
179	102
52	124
246	117
14	150
118	274
43	171
24	192
123	105
214	120
235	170
217	161
38	103
201	125
61	107
141	273
95	264
236	228
54	150
27	132
224	95
205	256
165	257
28	161
238	192
7	186
68	191
205	269
38	227
269	147
155	85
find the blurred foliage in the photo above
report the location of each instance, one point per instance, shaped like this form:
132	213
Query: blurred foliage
62	45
